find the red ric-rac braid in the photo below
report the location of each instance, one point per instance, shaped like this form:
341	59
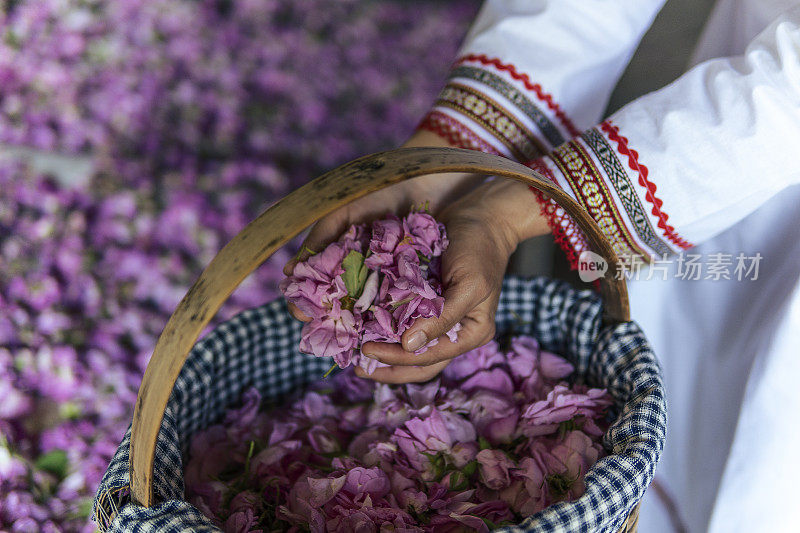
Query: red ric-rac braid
650	196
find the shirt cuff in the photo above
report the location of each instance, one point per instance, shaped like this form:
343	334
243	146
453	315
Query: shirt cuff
606	177
488	105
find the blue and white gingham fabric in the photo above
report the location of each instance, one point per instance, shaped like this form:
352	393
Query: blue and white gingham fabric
259	348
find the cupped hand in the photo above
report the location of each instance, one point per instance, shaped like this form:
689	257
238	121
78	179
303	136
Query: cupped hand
437	190
484	227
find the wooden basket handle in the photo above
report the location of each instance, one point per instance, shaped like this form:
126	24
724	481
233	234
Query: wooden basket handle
282	222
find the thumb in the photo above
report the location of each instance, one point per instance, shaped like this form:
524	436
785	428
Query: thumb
460	297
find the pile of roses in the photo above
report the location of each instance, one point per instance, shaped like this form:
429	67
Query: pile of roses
497	437
370	285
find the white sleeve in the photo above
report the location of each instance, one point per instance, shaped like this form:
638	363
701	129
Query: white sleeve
682	164
534	73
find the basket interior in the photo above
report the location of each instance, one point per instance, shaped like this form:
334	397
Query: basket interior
259	348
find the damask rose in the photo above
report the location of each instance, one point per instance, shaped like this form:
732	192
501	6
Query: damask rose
370	285
456	453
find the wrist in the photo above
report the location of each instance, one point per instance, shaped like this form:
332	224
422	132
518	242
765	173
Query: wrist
514	204
439	189
517	209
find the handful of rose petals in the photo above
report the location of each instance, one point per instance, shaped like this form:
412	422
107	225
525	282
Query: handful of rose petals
496	438
370	285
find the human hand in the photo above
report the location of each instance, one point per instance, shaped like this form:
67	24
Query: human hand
437	190
484	227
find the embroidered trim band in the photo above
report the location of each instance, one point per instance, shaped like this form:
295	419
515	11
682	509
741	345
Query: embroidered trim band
650	196
493	118
535	87
455	132
515	96
566	233
620	180
591	191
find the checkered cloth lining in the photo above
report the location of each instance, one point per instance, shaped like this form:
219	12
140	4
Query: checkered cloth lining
258	347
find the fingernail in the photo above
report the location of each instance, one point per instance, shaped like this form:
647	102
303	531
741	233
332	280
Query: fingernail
417	341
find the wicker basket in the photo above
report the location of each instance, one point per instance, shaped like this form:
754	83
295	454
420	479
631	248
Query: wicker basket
154	434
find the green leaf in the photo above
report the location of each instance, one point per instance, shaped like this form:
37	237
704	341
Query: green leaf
491	525
458	481
347	302
54	462
304	249
355	273
422	517
484	444
397	304
569	425
423	207
470	468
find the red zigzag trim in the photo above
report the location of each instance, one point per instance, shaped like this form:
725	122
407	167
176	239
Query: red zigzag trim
535	87
633	163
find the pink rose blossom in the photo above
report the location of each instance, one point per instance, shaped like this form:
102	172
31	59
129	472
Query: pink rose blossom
322	439
454	453
528	493
316	283
367	481
496	379
577	453
336	336
425	234
393	283
265	461
482	358
437	433
526	358
363	442
386	234
240	522
246	500
305	501
495	417
315	406
494	468
208	496
563	404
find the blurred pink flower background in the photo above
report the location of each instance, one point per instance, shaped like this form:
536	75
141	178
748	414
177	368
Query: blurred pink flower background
195	115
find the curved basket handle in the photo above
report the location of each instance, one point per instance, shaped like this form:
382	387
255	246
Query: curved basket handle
282	222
